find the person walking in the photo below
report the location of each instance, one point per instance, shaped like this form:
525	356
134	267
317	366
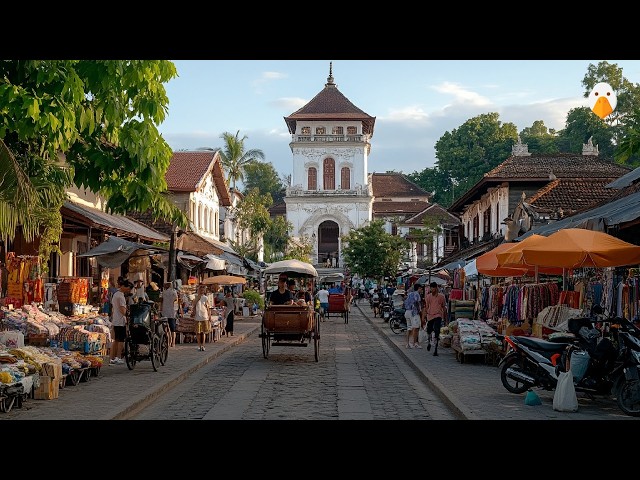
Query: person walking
412	315
323	296
201	313
169	308
228	313
436	310
119	321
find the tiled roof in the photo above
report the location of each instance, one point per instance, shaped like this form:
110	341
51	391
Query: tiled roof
398	208
331	104
433	210
188	169
387	185
561	165
542	169
571	195
278	209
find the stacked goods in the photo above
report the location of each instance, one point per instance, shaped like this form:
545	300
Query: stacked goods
73	291
463	308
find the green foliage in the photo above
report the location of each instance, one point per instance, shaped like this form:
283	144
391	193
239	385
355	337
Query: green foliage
252	214
581	125
263	176
102	115
539	139
474	148
253	296
234	157
276	238
435	181
299	250
371	252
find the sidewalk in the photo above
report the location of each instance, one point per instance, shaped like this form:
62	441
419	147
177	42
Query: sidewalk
474	390
117	392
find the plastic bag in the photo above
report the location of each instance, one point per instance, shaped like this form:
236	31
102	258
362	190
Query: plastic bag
423	336
564	397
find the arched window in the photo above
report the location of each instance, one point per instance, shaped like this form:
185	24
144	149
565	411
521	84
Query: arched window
329	174
345	178
312	179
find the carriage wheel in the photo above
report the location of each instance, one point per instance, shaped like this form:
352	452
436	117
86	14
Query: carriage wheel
154	351
265	342
130	353
316	340
164	349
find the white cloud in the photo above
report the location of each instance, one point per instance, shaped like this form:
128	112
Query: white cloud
290	104
265	78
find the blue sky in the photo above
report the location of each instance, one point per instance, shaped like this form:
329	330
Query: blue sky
414	101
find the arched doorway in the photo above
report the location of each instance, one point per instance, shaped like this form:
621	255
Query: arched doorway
328	235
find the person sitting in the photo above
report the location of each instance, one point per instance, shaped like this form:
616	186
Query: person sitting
335	289
281	296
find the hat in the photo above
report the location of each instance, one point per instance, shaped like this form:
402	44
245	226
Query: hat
154	286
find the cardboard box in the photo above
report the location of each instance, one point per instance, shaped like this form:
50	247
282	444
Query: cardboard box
48	389
52	369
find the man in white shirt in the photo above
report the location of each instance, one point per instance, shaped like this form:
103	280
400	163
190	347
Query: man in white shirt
169	308
323	296
118	321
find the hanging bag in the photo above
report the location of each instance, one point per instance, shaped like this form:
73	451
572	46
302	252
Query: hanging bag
564	397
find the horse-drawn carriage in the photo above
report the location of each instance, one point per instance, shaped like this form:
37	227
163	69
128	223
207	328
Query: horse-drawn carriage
290	325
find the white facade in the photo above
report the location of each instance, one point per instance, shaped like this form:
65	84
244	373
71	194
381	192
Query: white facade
307	207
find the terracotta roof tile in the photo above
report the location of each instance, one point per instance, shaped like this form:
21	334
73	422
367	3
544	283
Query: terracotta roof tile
433	210
398	208
562	165
188	169
571	194
388	185
330	104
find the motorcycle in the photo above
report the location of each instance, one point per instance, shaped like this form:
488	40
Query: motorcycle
599	365
397	322
386	308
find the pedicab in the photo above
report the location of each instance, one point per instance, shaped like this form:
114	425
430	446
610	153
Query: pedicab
290	325
337	301
147	336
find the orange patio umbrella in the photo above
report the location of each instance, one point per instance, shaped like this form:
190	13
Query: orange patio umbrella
578	248
513	257
487	264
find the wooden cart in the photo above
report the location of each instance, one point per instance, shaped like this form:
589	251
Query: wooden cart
338	305
290	325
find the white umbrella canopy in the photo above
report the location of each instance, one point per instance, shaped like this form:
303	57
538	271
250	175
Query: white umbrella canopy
291	267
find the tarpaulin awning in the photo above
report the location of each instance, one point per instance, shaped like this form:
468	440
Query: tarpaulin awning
114	251
116	224
214	262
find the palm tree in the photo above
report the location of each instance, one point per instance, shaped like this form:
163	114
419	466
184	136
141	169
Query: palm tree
234	158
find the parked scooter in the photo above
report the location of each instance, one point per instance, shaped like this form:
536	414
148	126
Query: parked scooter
397	322
386	309
604	366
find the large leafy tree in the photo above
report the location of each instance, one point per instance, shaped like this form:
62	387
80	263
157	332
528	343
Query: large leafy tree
100	118
263	176
539	138
371	252
276	238
235	158
474	148
436	182
582	124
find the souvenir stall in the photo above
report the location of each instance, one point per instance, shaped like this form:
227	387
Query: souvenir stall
24	280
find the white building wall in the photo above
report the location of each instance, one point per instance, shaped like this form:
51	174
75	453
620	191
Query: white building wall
206	203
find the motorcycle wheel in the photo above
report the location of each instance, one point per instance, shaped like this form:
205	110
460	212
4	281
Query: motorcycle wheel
512	385
394	324
628	398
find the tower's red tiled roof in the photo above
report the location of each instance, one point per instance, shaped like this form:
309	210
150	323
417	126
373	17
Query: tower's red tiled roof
330	104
